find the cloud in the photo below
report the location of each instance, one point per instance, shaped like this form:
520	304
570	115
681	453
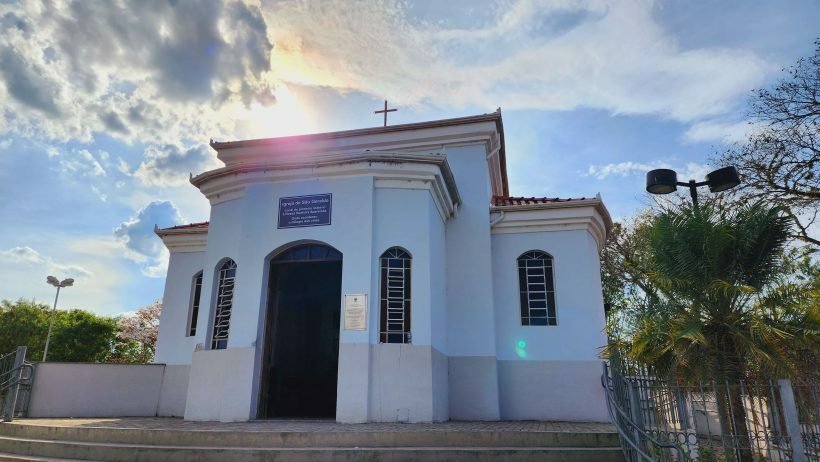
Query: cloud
27	256
141	244
719	131
28	84
123	167
606	55
691	170
167	165
23	254
113	123
181	71
157	68
82	163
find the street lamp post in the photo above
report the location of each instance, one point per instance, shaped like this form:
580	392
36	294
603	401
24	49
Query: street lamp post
68	282
665	181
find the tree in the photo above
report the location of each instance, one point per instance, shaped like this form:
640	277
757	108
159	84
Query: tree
23	323
779	162
724	304
81	336
137	336
628	290
78	335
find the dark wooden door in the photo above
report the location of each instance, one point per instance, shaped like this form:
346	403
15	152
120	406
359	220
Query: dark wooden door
301	358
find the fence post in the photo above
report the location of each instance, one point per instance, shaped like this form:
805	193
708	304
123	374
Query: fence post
635	411
792	420
16	372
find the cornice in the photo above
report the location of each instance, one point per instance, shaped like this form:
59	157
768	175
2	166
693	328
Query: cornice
588	214
228	183
184	240
491	117
425	136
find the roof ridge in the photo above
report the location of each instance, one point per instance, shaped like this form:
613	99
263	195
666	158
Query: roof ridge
201	224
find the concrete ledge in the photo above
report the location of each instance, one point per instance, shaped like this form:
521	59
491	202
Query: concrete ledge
402	380
220	385
473	388
413	437
552	390
139	453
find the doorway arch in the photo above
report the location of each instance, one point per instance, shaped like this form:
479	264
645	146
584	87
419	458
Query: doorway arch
300	360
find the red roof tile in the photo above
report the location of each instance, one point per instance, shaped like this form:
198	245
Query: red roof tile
509	200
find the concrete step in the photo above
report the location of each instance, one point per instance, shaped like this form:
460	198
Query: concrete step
8	457
312	439
45	448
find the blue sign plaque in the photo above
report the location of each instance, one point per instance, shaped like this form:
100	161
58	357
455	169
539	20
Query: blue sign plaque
302	211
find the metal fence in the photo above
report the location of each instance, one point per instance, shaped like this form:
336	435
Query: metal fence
16	376
743	421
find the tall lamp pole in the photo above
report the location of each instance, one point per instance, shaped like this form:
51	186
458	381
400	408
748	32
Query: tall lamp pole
665	181
59	285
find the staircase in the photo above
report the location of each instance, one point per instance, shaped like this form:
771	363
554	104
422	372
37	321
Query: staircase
161	440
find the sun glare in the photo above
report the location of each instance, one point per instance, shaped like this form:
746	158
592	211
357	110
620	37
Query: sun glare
286	117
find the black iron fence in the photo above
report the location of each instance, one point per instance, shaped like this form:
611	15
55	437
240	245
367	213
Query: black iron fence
16	376
744	421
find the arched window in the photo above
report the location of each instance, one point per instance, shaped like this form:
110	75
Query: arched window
224	303
537	289
193	311
394	323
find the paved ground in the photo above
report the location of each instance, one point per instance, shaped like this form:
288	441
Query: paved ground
167	423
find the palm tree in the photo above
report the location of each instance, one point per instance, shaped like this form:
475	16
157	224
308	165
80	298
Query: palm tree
725	312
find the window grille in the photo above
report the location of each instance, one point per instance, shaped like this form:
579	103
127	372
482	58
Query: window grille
224	303
194	312
309	252
395	296
537	289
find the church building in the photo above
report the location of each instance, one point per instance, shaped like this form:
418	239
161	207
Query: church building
384	275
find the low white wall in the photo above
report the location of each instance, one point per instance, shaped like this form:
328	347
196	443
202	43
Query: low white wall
174	391
106	390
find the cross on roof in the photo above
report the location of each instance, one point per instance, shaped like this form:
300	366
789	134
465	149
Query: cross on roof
385	111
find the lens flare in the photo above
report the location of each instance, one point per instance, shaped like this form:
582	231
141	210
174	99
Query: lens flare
521	349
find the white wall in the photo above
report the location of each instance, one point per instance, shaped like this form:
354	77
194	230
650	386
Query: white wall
551	372
245	229
470	314
409	219
173	344
107	390
402	218
224	240
438	281
579	299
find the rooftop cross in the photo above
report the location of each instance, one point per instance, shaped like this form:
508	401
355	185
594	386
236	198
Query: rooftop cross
385	111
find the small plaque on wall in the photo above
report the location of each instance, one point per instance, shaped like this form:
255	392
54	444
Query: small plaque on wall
355	312
302	211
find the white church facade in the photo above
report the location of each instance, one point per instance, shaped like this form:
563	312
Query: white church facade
384	275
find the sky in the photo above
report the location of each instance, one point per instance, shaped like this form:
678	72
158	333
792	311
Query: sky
107	106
